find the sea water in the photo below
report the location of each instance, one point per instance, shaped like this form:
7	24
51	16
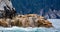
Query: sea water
55	23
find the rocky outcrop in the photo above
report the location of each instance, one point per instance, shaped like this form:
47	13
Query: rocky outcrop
6	9
4	23
29	20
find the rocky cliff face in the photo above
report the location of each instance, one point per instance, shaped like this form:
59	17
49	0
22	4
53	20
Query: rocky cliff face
6	9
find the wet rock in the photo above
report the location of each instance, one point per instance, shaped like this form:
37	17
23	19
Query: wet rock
44	23
4	23
29	20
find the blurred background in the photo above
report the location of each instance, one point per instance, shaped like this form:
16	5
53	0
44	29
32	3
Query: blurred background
50	9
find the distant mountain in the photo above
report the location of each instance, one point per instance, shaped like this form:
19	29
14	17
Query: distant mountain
46	8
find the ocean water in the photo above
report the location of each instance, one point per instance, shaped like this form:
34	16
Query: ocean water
55	23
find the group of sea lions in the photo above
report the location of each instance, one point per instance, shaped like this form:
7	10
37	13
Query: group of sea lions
29	20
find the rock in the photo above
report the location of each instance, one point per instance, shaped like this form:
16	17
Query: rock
26	21
44	23
13	23
9	13
8	20
32	15
4	23
23	21
31	22
6	9
20	21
